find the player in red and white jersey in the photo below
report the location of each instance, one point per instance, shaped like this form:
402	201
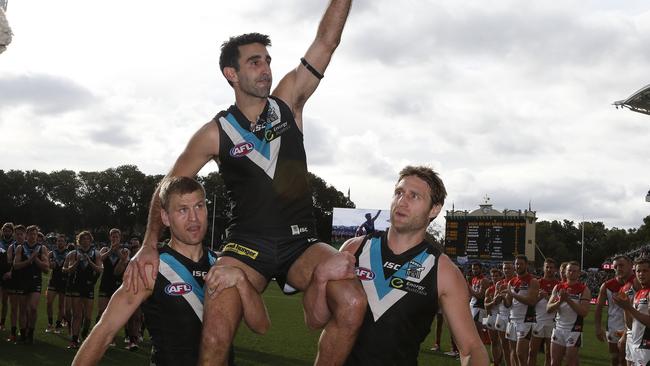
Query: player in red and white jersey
492	308
615	318
521	297
571	301
544	321
640	314
503	313
625	343
477	286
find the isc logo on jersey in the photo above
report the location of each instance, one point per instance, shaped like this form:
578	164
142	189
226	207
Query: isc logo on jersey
241	150
178	289
365	274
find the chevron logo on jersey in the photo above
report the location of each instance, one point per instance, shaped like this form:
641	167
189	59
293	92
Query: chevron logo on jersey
263	152
384	292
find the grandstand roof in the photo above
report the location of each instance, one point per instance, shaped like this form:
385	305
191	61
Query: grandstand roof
638	102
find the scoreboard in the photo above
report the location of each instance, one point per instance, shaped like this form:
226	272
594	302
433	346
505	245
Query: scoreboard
490	238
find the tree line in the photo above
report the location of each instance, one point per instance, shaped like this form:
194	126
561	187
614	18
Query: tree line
67	202
561	240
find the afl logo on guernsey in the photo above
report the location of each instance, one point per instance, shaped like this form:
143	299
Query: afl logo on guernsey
178	289
365	274
241	150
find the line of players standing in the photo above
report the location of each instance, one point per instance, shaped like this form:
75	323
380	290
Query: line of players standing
520	312
75	269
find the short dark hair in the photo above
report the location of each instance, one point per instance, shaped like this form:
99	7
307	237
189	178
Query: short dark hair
19	228
477	264
550	261
642	260
522	257
436	187
177	185
622	256
32	228
8	225
82	234
230	49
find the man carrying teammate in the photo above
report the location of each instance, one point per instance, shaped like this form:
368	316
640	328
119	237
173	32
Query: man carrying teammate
570	300
544	321
405	279
174	306
258	144
615	315
521	297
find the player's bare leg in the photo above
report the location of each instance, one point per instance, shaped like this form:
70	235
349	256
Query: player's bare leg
346	300
222	315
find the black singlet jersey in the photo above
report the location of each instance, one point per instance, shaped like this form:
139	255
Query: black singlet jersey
31	273
265	172
110	281
57	258
174	311
402	293
4	262
84	275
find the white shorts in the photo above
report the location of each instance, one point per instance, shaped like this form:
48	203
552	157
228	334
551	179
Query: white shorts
490	322
501	323
612	337
478	314
543	330
641	357
518	331
566	338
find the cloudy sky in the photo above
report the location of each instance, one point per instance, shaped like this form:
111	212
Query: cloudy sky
511	100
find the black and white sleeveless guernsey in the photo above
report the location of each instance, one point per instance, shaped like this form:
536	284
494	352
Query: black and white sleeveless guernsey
265	172
402	293
174	311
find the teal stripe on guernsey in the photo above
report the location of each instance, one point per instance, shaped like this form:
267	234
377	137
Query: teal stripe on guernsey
180	269
261	146
382	284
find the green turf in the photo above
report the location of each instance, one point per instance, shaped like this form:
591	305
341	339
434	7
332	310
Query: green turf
288	342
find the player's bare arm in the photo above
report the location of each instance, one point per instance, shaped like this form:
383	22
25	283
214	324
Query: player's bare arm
581	307
337	267
626	304
454	299
554	301
299	84
202	147
255	313
120	308
531	297
598	313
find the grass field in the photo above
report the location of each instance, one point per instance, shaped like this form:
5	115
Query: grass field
288	342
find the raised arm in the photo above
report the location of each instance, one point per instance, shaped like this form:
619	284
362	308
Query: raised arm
454	297
203	147
300	83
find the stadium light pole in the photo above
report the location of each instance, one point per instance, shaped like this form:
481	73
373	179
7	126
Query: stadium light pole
582	247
